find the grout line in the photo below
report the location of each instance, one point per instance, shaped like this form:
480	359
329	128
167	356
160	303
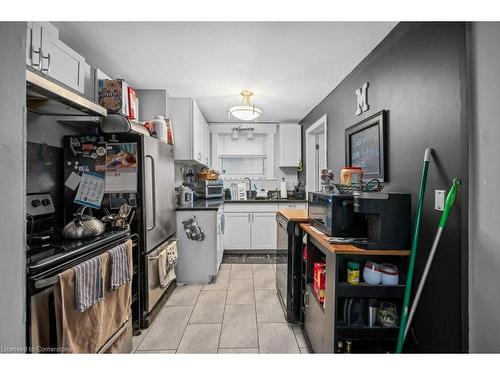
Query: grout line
187	323
224	312
255	306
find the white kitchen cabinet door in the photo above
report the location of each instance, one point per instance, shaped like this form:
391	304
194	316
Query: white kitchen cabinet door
290	145
59	61
34	44
197	133
237	231
264	228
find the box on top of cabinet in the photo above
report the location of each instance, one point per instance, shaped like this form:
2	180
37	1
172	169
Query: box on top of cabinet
113	95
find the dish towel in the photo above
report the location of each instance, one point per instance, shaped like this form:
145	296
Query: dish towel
88	283
167	259
120	273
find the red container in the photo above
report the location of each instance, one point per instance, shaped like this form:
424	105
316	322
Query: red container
319	272
304	252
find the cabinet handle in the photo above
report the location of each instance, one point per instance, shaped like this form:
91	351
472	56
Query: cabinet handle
33	51
306	299
46	70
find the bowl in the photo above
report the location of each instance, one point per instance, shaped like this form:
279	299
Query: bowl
390	275
372	274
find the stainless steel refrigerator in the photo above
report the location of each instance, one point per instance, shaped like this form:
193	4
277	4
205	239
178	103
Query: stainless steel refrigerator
150	192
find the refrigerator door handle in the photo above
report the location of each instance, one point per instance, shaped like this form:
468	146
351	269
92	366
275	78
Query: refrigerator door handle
153	191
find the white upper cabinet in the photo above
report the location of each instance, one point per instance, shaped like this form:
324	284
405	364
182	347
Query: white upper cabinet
46	53
290	145
190	131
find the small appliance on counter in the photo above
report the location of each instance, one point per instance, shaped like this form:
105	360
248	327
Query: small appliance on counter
210	189
388	218
334	215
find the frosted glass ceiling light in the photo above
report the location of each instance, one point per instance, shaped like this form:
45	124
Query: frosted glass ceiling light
246	111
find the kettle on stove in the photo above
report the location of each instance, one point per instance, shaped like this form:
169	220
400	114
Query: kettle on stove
83	226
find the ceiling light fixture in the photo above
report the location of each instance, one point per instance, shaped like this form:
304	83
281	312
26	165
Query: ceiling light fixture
246	111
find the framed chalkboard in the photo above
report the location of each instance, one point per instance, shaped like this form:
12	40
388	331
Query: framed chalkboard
364	146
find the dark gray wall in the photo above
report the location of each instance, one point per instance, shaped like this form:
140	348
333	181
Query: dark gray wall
417	74
484	207
12	195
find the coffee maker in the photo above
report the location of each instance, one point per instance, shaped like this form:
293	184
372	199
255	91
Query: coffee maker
388	218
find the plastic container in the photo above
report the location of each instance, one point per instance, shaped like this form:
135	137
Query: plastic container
390	275
319	276
353	273
159	128
372	274
351	176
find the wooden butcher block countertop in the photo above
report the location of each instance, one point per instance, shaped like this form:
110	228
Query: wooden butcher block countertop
344	248
294	214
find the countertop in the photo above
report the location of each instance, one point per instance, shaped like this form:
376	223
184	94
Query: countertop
294	214
215	203
267	201
202	204
347	249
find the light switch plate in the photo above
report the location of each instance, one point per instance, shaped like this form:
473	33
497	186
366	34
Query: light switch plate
439	198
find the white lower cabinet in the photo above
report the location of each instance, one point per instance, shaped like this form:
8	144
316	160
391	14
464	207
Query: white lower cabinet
263	230
249	230
236	231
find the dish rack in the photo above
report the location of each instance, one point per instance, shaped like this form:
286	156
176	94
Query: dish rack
371	186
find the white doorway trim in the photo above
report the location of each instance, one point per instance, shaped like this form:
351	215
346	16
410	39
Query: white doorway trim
319	127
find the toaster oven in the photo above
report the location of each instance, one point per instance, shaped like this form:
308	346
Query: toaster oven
210	188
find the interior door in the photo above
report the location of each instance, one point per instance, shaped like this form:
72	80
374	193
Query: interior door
237	231
264	233
159	192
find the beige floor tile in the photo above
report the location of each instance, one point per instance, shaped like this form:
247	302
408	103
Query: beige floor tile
260	267
304	351
220	283
268	307
184	295
239	328
155	352
264	279
136	340
210	307
239	351
240	292
167	330
225	266
200	338
241	271
301	341
274	267
277	338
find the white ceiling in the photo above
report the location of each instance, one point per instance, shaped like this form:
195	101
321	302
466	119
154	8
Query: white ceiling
290	66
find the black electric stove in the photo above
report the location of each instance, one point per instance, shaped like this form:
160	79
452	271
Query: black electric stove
56	250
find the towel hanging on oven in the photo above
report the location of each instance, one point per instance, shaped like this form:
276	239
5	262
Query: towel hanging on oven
119	257
89	288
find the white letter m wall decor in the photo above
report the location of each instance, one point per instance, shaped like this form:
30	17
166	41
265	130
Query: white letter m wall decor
362	99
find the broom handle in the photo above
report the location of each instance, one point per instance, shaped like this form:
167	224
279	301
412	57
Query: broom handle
450	200
413	254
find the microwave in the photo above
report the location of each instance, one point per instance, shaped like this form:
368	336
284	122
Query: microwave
333	214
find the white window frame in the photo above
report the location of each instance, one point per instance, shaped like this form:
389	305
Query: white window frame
225	128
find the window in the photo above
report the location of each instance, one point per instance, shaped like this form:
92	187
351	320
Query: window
242	156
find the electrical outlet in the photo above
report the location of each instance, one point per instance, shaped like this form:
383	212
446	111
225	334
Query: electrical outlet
439	198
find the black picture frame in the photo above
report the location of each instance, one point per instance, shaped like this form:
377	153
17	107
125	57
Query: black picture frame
378	120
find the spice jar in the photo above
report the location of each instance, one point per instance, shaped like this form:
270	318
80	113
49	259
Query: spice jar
353	273
351	176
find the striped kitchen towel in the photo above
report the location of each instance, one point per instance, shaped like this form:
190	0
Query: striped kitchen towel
89	287
120	271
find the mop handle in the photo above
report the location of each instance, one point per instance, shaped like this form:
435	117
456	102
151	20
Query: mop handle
450	200
414	248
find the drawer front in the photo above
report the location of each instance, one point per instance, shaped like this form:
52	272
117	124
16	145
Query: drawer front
295	206
250	207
